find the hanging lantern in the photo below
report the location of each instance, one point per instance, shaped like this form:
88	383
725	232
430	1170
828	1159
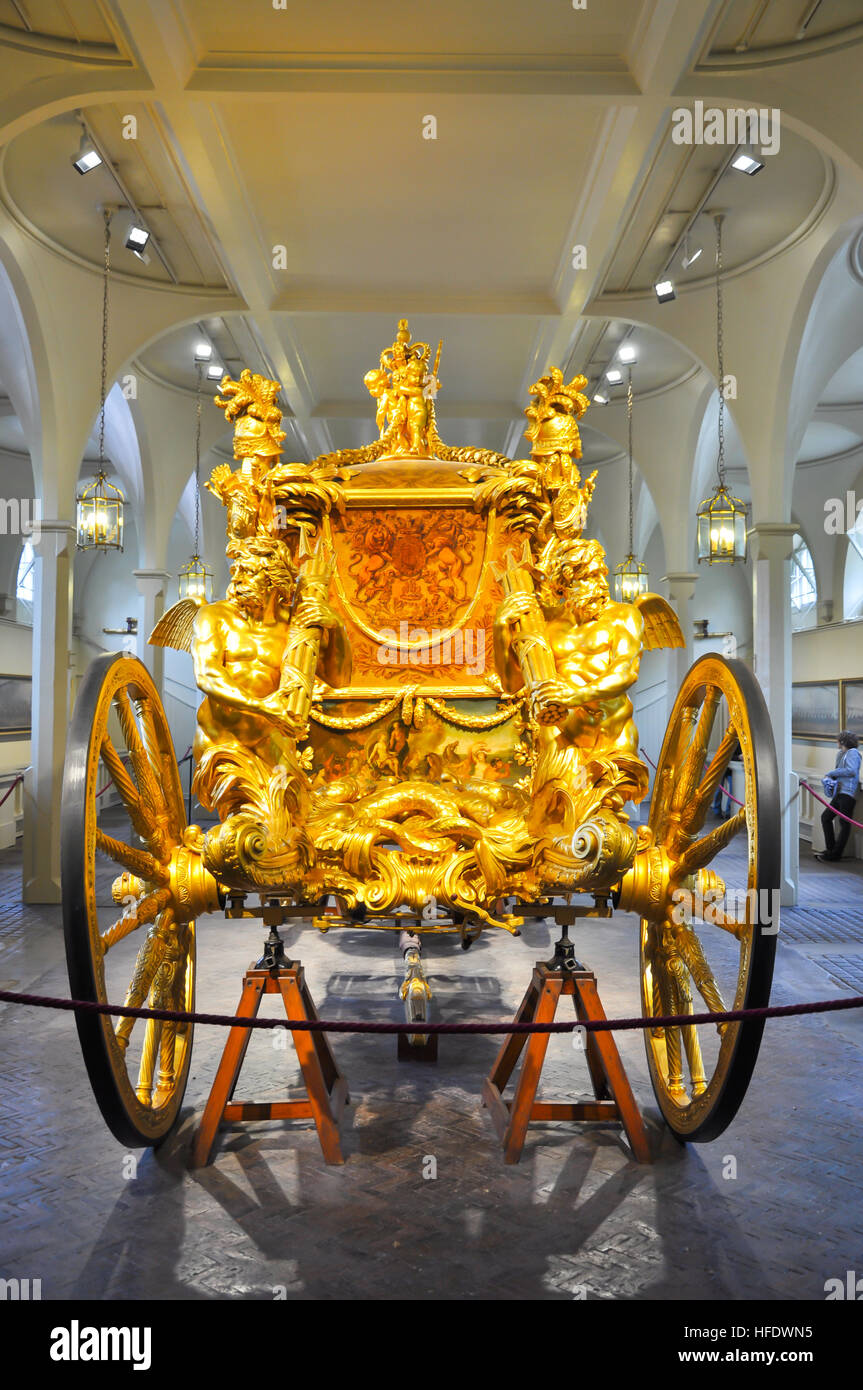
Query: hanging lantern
630	579
100	506
721	528
100	515
721	519
195	580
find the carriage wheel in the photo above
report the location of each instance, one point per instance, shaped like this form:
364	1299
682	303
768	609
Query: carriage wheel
116	891
712	923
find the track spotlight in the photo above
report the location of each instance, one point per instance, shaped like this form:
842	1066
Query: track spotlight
88	156
613	375
664	290
136	240
628	353
746	162
689	257
203	352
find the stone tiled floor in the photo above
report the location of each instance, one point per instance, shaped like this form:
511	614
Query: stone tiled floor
576	1215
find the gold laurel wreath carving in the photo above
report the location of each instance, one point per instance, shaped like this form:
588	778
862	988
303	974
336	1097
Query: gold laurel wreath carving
357	721
471	721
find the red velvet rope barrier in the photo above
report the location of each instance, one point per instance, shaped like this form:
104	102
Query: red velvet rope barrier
10	789
321	1025
725	791
841	814
125	757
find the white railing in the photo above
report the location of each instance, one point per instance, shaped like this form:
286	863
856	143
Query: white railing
12	810
811	811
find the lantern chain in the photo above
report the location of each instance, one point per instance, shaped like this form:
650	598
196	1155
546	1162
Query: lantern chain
720	350
104	378
198	465
629	431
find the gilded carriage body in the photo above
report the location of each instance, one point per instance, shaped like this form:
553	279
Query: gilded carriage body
416	690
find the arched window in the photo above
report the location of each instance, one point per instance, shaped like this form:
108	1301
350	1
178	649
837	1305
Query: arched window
24	583
853	597
804	593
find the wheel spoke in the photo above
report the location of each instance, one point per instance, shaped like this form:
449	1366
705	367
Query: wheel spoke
167	1050
692	954
664	783
716	916
702	851
691	769
668	997
689	1032
147	910
150	957
139	814
145	775
695	817
138	861
154	751
147	1066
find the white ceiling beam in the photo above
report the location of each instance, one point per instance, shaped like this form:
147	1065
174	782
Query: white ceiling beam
200	146
589	78
413	301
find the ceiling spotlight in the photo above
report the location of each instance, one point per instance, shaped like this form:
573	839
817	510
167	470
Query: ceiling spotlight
613	375
203	352
87	157
664	290
628	353
599	399
689	257
746	162
136	240
215	371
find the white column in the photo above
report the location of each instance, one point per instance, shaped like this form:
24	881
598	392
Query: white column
771	543
153	586
681	591
52	641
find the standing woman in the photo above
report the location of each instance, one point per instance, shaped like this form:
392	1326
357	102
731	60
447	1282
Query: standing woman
844	779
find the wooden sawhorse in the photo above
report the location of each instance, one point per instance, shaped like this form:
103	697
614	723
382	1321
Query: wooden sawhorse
614	1098
326	1088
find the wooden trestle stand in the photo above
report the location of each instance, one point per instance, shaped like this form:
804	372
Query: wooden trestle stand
613	1101
326	1088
